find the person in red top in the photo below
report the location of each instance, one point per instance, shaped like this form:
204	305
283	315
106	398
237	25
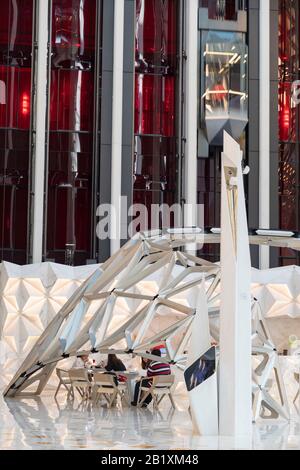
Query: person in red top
154	369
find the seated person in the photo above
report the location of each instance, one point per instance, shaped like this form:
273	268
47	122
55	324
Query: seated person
154	369
114	364
145	362
82	362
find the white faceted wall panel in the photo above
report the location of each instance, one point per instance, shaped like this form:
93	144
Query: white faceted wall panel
30	296
278	292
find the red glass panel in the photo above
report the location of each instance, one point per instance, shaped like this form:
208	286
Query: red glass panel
73	31
72	99
15	89
71	107
287	114
148	104
16	21
289	131
168	117
155	103
156	33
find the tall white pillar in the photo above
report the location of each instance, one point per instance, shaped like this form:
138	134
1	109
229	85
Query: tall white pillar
264	126
40	116
117	121
191	94
235	392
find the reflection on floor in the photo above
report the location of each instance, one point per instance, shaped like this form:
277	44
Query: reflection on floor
44	423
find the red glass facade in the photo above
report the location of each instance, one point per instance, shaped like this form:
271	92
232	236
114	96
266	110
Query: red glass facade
155	165
16	40
72	134
289	130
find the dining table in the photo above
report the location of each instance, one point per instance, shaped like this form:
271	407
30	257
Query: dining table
131	379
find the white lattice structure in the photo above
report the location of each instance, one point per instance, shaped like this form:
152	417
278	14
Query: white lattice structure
268	387
30	297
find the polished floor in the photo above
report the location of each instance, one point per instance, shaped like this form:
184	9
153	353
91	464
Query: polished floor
44	423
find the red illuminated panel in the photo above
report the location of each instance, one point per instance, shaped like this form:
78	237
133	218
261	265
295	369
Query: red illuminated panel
284	111
155	105
15	89
24	93
25	104
148	104
72	95
168	118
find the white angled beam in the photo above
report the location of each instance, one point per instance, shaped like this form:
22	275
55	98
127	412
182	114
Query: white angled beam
117	120
264	126
191	94
40	119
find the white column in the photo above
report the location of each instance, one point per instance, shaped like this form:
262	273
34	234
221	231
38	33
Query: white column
191	94
235	393
264	127
40	110
117	121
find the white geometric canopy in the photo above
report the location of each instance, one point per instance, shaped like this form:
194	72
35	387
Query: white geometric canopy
148	279
143	296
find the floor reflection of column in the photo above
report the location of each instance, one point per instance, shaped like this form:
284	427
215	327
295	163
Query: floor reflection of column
34	422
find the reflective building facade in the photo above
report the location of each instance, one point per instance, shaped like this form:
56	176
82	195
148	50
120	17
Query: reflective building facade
156	149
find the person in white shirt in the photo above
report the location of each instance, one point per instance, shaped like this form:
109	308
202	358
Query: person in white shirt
82	362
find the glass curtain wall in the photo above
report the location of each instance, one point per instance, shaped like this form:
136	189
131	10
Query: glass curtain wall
71	164
16	43
289	138
156	66
223	104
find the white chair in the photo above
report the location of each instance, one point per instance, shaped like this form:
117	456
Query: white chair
105	386
80	381
160	388
123	389
64	380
